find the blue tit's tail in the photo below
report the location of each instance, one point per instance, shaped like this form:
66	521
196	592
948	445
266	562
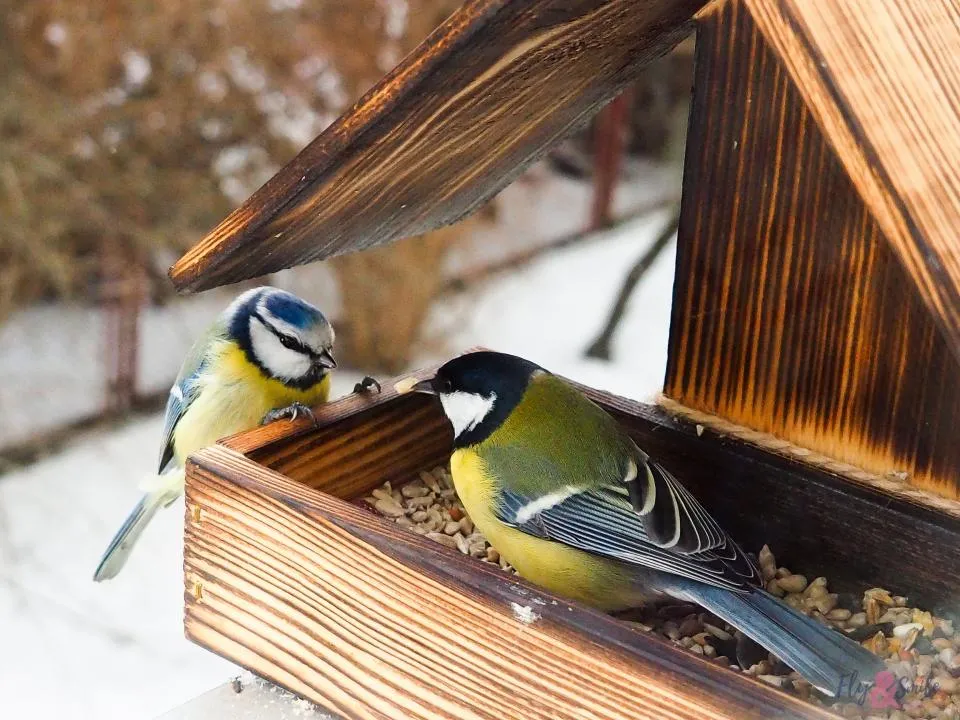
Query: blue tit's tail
161	491
831	662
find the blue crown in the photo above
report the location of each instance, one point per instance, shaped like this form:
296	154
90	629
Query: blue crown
292	309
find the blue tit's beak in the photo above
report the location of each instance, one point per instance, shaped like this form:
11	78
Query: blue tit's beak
326	360
409	385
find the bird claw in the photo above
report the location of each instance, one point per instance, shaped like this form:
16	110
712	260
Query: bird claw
291	411
366	384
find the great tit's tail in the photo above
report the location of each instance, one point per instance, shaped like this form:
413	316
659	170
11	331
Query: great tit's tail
831	662
160	492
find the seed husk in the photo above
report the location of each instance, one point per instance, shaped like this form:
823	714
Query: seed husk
410	490
927	655
690	626
718	633
388	508
858	619
383	494
902	631
826	603
442	539
793	583
768	563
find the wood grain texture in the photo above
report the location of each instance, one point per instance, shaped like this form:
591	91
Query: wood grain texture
464	114
792	315
816	522
344	608
882	79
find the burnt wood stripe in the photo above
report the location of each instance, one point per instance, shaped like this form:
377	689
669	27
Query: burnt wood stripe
792	314
479	100
884	86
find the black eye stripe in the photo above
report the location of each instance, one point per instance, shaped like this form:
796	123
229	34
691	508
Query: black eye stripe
294	344
287	341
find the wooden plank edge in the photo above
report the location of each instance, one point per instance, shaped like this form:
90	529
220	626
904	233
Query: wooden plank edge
322	152
601	647
328	414
272	211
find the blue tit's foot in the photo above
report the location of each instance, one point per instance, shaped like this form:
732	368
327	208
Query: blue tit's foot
366	384
291	411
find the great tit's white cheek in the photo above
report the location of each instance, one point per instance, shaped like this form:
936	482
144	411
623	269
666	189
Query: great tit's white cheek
466	410
280	361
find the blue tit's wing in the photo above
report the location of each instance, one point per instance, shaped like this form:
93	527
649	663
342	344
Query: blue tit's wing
186	387
647	519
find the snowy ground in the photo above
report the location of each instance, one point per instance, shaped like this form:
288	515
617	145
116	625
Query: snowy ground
51	357
70	648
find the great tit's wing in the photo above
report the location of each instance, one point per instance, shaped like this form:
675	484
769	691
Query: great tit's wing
186	388
661	526
568	472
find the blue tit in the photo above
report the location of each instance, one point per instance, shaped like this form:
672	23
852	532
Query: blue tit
268	355
570	501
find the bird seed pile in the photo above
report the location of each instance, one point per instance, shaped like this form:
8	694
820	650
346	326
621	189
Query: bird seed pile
921	650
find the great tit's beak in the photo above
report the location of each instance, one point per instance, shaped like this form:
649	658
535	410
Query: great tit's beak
409	385
326	360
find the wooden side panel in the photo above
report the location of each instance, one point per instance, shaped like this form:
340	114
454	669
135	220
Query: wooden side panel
792	315
455	122
883	81
344	608
816	522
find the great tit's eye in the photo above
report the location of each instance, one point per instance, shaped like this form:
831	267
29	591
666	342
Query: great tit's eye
447	386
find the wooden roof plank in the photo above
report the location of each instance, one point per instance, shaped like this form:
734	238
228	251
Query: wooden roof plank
883	81
479	100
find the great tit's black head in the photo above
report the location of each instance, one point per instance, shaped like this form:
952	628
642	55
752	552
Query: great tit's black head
478	392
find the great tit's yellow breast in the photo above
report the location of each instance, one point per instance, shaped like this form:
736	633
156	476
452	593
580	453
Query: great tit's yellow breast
235	396
598	582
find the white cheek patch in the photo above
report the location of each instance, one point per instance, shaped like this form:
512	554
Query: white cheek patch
279	361
466	410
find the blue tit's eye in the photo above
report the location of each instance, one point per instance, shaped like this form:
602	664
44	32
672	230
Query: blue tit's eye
289	342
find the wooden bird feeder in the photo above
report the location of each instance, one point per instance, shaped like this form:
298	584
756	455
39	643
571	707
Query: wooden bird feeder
812	397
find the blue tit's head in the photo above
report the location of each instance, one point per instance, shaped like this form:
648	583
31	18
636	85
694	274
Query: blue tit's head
478	392
286	337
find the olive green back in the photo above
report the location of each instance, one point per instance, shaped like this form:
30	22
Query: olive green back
557	437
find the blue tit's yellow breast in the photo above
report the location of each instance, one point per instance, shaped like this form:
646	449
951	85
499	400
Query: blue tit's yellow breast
234	396
595	581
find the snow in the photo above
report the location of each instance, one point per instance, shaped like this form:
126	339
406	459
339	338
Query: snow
55	33
109	650
136	70
52	356
554	308
51	360
116	650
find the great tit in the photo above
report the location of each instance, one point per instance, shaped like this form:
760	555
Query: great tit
570	501
268	355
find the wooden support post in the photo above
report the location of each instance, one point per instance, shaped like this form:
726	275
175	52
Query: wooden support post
608	150
122	294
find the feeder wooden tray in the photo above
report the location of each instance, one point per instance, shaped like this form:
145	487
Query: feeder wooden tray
288	578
